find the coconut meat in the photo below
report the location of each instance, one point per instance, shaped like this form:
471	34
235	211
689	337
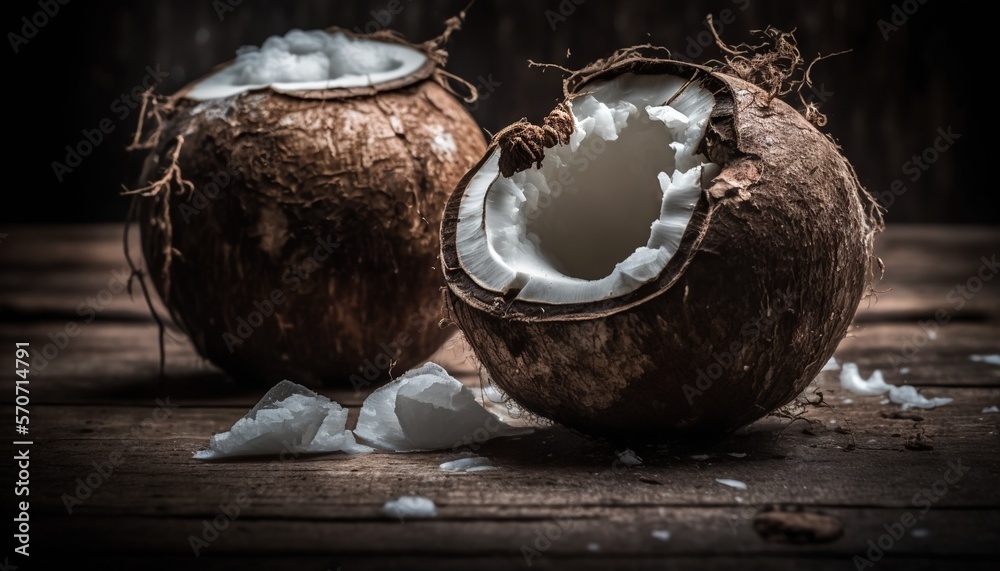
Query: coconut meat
603	214
906	395
427	409
289	419
310	60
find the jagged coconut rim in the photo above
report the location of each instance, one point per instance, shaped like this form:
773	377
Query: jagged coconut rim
719	149
411	63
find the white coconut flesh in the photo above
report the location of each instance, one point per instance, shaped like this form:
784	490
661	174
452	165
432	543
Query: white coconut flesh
310	60
603	214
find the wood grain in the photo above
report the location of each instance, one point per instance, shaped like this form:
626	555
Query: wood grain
96	397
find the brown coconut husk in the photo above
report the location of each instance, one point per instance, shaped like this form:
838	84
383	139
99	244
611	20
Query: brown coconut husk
780	219
301	172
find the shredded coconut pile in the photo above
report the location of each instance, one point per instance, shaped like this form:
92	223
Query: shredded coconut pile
307	60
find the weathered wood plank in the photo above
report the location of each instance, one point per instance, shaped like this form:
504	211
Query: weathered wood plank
93	398
615	531
923	265
588	562
118	362
552	467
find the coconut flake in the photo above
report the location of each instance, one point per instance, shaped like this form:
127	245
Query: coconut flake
289	418
738	454
990	410
628	457
410	506
732	483
851	380
427	409
831	365
661	534
470	463
905	395
991	359
908	396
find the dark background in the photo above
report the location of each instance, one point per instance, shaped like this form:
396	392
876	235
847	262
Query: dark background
886	100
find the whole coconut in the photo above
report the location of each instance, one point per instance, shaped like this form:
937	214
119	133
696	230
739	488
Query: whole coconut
292	204
674	252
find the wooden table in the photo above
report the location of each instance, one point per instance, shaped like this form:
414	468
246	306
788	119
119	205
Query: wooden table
862	463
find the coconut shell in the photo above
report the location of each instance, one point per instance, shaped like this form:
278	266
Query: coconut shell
358	177
765	283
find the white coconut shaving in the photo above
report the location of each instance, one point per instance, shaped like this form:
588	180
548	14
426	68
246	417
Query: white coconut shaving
603	214
427	409
851	380
831	365
732	483
738	454
908	397
308	60
410	507
990	410
289	419
661	534
470	463
628	457
991	359
905	395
